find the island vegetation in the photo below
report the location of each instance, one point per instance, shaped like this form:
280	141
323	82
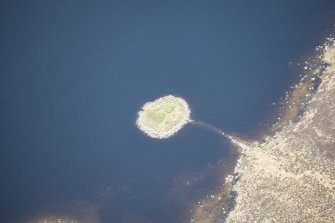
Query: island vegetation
163	117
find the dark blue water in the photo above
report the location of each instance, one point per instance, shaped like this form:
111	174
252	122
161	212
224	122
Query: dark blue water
75	73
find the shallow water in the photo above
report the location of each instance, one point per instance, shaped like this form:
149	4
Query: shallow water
74	75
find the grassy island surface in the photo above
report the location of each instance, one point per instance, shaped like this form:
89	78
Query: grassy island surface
163	117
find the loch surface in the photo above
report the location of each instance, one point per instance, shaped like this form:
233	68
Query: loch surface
74	74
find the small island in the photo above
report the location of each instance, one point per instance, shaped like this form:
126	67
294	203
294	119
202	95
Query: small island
163	117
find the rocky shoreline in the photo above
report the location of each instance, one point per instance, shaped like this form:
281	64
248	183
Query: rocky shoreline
288	174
